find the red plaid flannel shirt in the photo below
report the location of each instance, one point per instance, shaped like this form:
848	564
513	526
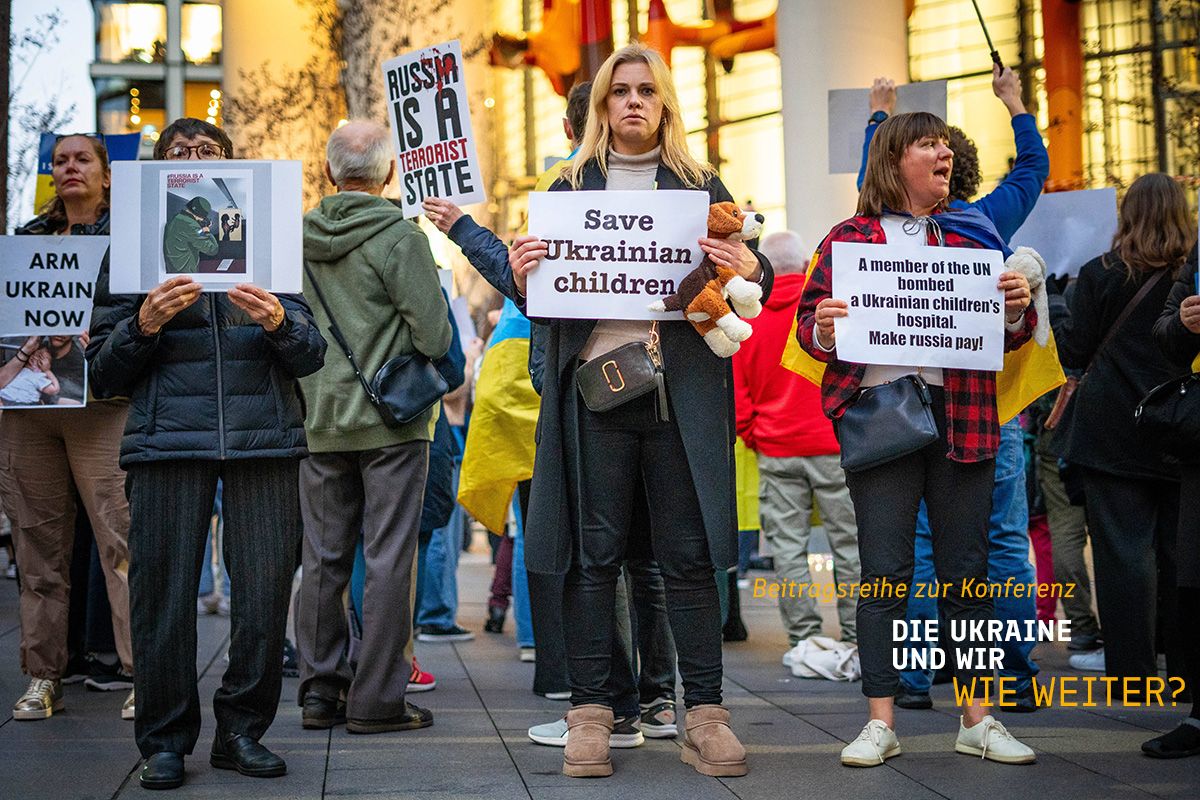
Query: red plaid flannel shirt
972	421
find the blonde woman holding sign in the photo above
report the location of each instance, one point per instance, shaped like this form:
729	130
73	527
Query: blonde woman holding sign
902	201
46	455
589	463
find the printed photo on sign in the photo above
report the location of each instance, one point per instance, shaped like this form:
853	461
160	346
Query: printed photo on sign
919	306
42	372
430	120
220	223
49	282
207	224
612	254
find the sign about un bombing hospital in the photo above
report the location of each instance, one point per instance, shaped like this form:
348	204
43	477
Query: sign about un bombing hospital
919	306
431	127
613	253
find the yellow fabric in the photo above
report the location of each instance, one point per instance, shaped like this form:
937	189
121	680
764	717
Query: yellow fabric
746	466
1029	371
1196	364
499	449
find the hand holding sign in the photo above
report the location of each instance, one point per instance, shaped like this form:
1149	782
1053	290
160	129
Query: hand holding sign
735	255
828	310
523	256
165	301
1016	295
262	306
1189	313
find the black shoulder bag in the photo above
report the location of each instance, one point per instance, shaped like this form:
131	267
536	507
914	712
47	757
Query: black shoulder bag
405	386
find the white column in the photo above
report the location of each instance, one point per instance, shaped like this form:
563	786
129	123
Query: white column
826	45
173	91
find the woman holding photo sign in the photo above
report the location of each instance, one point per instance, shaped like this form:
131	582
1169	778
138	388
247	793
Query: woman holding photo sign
214	395
953	466
588	462
45	456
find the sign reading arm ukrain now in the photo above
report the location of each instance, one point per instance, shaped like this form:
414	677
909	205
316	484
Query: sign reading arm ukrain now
613	253
919	306
431	127
49	282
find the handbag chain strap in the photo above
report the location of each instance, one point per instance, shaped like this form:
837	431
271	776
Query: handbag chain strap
337	334
661	409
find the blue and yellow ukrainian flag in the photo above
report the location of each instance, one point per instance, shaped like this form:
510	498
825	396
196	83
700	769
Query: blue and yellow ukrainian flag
499	450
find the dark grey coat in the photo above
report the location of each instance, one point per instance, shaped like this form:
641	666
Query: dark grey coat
701	394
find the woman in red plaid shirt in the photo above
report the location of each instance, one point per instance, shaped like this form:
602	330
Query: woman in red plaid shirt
902	201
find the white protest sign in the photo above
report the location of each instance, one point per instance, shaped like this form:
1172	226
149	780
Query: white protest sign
219	222
850	109
49	282
919	306
1069	229
613	253
431	127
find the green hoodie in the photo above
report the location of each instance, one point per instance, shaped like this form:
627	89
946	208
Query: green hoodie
379	278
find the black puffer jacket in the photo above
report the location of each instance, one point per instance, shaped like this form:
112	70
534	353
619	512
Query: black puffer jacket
212	384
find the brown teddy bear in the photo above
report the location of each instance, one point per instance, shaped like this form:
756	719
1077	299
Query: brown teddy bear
702	293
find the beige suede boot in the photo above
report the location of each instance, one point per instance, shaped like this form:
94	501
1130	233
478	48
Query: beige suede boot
710	746
588	728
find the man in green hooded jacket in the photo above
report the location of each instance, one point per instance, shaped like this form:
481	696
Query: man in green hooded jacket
188	236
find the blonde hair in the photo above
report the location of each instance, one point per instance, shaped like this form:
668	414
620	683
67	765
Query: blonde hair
672	137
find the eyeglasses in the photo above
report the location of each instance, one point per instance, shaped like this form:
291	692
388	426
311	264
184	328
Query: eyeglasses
58	137
205	152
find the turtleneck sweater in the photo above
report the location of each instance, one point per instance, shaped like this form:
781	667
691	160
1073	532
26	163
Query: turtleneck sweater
625	173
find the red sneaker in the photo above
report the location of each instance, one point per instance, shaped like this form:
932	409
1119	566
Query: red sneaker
421	681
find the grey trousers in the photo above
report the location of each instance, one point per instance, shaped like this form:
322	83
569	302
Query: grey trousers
787	490
378	492
170	505
1068	537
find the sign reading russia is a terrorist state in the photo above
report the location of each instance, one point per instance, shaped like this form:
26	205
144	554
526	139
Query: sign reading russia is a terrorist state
613	253
919	306
49	282
431	127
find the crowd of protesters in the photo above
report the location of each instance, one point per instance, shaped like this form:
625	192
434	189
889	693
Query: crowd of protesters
625	520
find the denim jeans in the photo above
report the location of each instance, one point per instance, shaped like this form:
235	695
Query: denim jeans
437	575
207	577
522	614
1008	556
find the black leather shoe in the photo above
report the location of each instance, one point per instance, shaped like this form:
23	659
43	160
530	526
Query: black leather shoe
413	718
1024	702
321	712
915	700
495	620
162	771
247	756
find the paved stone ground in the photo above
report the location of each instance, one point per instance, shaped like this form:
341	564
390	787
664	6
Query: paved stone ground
793	730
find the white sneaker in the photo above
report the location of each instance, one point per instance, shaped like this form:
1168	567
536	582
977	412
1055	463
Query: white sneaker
1090	662
626	733
989	739
876	743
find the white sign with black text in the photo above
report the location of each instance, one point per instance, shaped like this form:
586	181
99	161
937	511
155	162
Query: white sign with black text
49	282
919	306
431	127
613	253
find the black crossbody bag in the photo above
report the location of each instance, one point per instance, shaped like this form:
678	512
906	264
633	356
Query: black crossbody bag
404	388
887	422
622	374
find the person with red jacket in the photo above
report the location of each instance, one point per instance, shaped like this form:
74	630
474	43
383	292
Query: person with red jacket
779	417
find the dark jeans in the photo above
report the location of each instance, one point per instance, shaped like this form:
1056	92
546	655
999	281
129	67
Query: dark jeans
887	499
502	576
170	505
1133	524
621	450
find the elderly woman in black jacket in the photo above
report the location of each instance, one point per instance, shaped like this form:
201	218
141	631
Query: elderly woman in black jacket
213	395
1177	332
588	464
1132	492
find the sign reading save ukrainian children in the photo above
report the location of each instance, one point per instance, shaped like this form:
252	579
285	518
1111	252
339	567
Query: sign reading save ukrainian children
612	254
431	127
919	306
